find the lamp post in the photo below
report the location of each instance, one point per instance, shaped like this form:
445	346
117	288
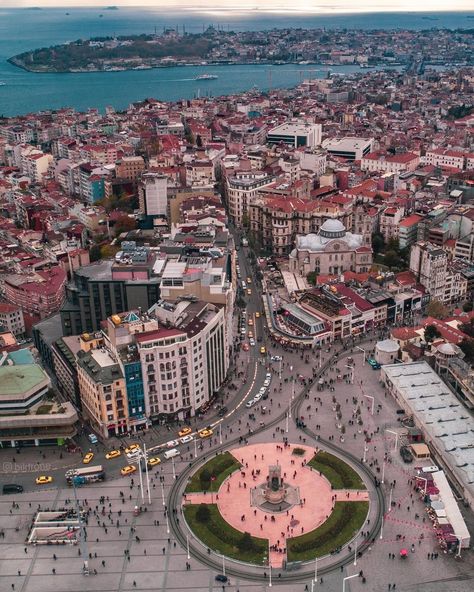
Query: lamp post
162	493
355	554
220	433
365	452
195	449
223	564
373	402
167	524
458	554
187	546
381	528
139	458
286	429
390	499
146	473
396	437
383	471
315	570
269	565
174	472
426	483
348	578
279	372
362	350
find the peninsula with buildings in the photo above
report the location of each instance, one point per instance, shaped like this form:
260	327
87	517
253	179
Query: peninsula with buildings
176	47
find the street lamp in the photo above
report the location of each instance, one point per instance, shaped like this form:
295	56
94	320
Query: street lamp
174	472
187	546
373	402
220	433
355	553
347	578
396	437
362	350
269	565
381	529
383	471
162	493
223	565
195	449
315	570
365	453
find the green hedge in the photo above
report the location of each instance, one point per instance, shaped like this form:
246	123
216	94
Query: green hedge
346	519
337	472
220	467
220	536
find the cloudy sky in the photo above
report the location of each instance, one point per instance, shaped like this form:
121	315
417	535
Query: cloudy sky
314	6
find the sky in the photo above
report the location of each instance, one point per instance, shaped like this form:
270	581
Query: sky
312	6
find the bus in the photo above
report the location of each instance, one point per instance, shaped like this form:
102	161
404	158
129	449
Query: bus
85	475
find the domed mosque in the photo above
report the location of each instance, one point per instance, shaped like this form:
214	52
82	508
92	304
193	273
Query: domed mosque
332	251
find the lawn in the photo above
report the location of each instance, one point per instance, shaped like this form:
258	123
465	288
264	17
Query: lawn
220	467
345	520
336	471
221	537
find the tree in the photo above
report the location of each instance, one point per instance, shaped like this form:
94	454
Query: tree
198	141
431	333
203	513
205	479
378	242
245	543
468	328
124	224
94	253
467	347
391	259
311	277
436	309
108	251
467	306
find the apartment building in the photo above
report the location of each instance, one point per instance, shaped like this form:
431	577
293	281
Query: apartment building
185	361
376	162
296	134
11	319
102	391
242	189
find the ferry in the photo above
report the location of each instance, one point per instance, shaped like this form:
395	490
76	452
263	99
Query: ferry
206	77
2	83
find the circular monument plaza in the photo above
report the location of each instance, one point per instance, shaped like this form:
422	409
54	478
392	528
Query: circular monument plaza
275	504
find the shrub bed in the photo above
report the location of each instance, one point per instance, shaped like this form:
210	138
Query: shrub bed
346	519
217	468
338	473
220	536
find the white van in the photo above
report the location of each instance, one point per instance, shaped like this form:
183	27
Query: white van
171	453
430	469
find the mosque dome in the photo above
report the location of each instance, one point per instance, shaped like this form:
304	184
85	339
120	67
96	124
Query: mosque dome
332	229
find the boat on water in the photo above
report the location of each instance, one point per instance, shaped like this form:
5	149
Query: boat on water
207	77
2	83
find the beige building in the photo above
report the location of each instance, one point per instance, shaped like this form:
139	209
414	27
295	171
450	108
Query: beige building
130	167
330	252
103	391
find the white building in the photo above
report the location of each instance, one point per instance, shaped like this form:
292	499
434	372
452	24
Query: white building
296	134
350	148
446	424
312	160
443	157
389	163
153	194
242	189
185	361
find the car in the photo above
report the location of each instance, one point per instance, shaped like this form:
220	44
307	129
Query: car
250	334
262	390
88	457
185	431
249	292
375	365
250	322
268	376
153	461
243	330
266	382
112	454
205	433
132	448
172	444
257	397
252	342
263	349
250	403
249	280
221	578
43	479
257	315
186	439
245	347
276	358
128	470
244	312
222	411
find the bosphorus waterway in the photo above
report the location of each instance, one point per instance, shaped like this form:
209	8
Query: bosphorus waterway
24	92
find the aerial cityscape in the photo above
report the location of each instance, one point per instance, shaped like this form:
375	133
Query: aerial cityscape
236	297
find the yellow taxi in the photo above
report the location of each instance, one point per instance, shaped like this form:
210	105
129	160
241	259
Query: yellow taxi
185	431
249	280
249	292
132	448
257	315
43	480
250	322
263	350
128	470
205	433
153	461
112	454
88	457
